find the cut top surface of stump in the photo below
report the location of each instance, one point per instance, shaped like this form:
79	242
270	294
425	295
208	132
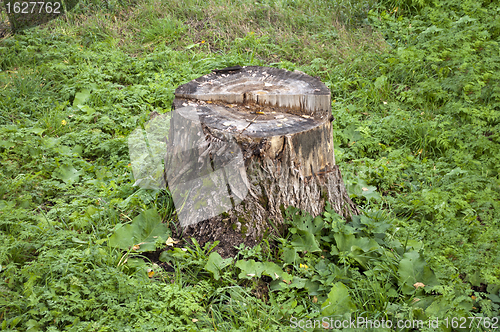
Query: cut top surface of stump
250	121
262	88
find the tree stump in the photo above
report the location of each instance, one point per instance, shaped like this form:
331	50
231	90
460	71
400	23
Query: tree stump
268	133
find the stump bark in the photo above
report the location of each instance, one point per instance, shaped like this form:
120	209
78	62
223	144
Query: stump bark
268	131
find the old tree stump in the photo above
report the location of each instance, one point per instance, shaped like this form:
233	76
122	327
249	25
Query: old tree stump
267	132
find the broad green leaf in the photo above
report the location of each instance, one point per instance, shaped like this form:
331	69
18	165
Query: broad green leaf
6	144
475	279
81	97
308	224
136	263
305	242
174	255
33	326
89	110
216	263
339	301
68	174
37	131
304	229
142	233
298	283
312	287
360	249
63	150
78	149
370	192
249	269
289	255
272	270
91	210
441	305
359	188
413	269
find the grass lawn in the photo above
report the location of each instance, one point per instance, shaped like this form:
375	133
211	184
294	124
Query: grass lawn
416	100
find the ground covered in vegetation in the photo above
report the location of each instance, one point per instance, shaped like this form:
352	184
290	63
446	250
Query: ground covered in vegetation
416	99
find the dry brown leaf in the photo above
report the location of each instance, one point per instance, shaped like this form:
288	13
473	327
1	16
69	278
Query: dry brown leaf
170	242
417	285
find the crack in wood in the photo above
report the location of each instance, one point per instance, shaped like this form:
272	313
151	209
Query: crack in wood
229	70
251	121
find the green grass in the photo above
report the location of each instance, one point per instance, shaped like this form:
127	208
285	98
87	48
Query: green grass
416	101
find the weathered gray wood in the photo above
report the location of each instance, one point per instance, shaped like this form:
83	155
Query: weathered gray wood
281	121
293	92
